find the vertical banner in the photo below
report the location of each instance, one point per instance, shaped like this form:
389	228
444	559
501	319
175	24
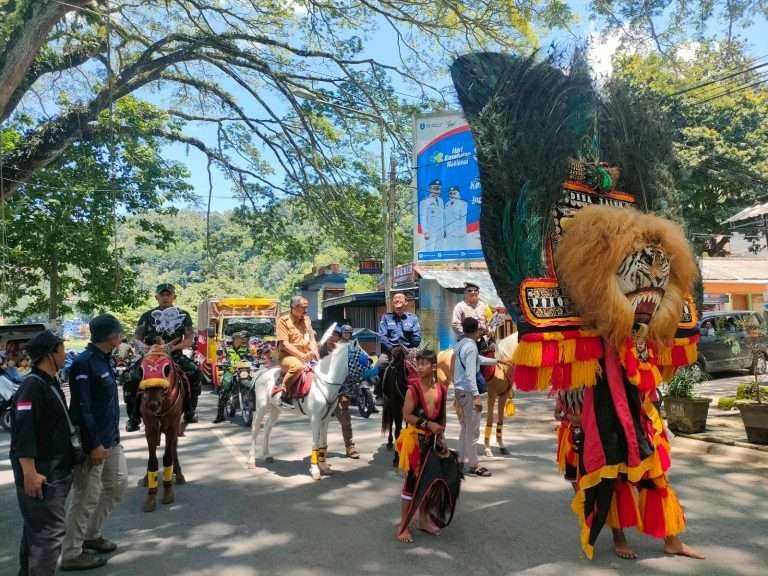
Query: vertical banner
448	195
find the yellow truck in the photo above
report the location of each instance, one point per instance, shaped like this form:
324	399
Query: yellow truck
219	318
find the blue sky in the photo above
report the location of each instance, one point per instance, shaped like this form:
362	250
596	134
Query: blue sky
224	198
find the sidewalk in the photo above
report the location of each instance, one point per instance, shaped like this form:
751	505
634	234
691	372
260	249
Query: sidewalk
725	427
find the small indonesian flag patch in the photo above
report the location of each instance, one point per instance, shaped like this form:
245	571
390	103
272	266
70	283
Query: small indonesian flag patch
21	406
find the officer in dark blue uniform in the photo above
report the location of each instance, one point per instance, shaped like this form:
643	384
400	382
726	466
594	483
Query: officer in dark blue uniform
397	329
99	483
41	456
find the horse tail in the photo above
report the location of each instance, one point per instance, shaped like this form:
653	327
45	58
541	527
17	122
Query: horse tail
387	418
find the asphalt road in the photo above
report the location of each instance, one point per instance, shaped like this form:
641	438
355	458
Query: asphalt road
230	521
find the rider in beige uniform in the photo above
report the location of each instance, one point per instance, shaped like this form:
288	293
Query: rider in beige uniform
296	343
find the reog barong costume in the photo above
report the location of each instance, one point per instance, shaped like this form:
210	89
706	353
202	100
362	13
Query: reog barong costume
599	290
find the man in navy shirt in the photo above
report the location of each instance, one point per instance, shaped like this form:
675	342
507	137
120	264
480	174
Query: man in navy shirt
398	328
98	483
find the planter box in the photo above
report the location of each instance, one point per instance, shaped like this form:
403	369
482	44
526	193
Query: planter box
686	415
755	417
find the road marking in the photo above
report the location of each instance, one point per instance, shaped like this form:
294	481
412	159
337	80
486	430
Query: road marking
232	448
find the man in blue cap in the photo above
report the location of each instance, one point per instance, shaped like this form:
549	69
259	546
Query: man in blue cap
99	482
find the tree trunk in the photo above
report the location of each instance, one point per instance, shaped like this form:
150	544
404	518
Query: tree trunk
24	44
53	293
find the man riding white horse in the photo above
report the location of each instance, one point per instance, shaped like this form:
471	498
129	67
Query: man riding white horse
345	363
296	345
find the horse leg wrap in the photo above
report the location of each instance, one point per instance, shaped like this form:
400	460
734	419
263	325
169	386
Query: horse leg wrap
488	429
152	480
314	459
167	474
321	454
499	429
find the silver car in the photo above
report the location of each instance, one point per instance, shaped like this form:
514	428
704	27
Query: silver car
732	341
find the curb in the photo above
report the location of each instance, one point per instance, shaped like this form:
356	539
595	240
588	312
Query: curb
742	451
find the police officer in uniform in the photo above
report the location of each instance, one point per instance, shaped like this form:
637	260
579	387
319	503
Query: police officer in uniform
173	327
41	456
397	329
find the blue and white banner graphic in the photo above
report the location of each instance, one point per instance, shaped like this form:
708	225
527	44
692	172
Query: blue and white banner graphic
447	190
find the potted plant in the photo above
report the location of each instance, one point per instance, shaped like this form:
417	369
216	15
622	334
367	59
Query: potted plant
754	412
685	412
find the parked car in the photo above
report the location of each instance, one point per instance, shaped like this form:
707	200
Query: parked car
725	343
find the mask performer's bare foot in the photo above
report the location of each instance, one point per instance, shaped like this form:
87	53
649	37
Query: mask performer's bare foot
621	546
673	545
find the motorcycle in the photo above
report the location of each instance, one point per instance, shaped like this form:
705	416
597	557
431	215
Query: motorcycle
363	396
8	388
242	395
122	364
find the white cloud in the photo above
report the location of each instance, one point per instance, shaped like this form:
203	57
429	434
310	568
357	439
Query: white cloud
602	47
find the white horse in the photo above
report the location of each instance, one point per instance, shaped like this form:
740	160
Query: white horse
347	359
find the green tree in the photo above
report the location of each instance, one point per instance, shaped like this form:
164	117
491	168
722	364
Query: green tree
720	138
237	76
60	252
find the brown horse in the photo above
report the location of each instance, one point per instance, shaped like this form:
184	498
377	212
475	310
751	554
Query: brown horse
162	405
499	387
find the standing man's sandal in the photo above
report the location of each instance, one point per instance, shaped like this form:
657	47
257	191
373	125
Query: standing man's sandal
101	545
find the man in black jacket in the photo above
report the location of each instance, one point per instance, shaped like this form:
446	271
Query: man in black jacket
41	456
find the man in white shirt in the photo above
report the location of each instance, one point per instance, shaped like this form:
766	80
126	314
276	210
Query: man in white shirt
455	220
465	364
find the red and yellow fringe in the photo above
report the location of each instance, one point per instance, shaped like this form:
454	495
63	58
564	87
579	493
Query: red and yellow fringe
571	359
560	360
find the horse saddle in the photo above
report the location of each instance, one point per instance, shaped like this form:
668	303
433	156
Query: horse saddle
303	383
300	387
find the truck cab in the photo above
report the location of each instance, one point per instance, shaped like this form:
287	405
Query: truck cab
219	319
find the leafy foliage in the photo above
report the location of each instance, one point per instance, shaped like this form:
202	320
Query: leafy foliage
720	145
59	254
683	383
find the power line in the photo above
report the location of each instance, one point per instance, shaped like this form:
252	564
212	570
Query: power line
728	76
739	88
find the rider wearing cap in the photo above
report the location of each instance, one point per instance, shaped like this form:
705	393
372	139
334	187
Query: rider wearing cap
237	352
176	335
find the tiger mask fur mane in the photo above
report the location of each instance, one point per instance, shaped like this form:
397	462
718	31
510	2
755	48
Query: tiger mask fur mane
620	267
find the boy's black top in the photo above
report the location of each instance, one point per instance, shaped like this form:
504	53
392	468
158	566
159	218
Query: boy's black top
39	427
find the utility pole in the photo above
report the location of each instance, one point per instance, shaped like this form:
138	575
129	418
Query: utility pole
389	232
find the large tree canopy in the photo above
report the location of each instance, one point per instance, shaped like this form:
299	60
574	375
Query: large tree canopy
246	79
59	231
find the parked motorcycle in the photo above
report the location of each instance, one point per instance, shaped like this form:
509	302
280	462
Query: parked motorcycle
8	388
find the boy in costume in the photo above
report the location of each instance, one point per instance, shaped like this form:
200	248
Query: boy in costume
432	480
